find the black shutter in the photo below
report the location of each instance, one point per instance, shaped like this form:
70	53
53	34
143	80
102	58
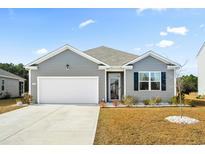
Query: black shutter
135	81
163	81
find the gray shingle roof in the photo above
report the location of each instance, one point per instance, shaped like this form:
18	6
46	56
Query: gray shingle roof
10	75
111	56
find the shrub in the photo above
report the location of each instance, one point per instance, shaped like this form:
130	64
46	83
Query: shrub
18	100
200	97
27	98
173	100
6	95
115	103
197	103
152	101
102	103
146	101
129	100
158	100
189	102
176	99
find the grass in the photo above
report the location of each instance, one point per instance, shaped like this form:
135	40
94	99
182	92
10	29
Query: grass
7	105
192	96
147	126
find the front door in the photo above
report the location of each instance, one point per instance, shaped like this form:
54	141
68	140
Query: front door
114	86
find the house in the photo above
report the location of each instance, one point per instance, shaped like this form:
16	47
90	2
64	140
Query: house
68	75
201	70
11	84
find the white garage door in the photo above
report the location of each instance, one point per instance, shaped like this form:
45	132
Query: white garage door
67	90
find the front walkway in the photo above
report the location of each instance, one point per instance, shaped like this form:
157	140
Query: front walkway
49	124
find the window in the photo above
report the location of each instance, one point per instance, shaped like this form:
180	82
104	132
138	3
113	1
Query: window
144	81
150	80
155	80
2	85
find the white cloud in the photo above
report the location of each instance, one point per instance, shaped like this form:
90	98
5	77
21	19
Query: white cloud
41	51
178	30
163	33
202	26
165	43
86	23
140	10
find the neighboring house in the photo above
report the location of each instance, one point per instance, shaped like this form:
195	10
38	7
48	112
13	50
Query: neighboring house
10	84
201	70
68	75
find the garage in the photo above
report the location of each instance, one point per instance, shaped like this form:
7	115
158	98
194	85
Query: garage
67	90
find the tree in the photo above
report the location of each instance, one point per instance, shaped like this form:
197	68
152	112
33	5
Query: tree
189	83
16	69
180	94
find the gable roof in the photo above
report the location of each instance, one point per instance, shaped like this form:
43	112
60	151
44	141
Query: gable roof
154	55
201	49
7	74
110	56
61	49
103	55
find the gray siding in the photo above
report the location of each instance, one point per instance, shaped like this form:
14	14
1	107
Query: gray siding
150	64
56	66
11	86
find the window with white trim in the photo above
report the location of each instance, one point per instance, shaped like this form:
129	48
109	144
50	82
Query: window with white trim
144	80
155	80
150	80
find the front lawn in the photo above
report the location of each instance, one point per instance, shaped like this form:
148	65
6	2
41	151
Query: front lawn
193	98
147	126
7	105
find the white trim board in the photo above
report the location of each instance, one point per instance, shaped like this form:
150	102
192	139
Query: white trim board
115	67
31	67
154	55
10	77
200	50
61	49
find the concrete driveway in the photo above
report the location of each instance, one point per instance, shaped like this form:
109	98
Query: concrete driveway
49	124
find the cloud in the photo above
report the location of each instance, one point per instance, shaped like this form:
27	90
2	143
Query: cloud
41	51
163	33
178	30
165	43
202	26
140	10
86	23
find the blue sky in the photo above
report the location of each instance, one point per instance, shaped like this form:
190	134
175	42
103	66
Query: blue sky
26	34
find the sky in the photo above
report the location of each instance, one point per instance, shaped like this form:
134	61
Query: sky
178	34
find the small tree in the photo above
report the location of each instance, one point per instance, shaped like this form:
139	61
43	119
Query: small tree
180	94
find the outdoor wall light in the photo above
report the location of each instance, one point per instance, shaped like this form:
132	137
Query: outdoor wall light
67	67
